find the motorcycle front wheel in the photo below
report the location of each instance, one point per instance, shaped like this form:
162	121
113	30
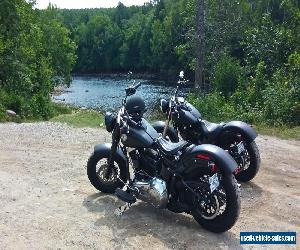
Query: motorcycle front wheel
96	169
223	207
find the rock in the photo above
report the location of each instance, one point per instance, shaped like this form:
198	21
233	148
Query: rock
87	90
287	185
11	113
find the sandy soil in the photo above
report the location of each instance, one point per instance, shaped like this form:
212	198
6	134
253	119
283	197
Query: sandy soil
47	201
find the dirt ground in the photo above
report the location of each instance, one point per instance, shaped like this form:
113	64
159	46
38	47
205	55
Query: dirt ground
47	201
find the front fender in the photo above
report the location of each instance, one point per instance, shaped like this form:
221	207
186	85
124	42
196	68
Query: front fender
103	150
171	132
220	157
248	132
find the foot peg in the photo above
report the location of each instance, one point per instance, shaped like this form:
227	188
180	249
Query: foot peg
125	196
121	210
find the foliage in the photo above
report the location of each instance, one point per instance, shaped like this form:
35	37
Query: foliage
268	42
213	106
35	54
273	101
98	43
228	75
254	70
282	95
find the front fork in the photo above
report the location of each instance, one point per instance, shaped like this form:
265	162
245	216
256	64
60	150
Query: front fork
114	147
167	124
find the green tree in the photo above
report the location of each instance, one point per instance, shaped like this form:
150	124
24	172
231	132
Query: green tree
27	65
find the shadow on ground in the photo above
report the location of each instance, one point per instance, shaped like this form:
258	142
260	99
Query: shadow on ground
178	231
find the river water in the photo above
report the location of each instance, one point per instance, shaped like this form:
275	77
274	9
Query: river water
106	94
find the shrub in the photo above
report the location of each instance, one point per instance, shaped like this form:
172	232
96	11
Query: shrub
228	75
2	113
282	95
213	107
40	107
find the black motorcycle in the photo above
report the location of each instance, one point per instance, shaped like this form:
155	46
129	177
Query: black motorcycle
236	137
182	177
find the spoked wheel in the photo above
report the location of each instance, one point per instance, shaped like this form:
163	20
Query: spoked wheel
247	157
96	171
101	169
218	211
251	166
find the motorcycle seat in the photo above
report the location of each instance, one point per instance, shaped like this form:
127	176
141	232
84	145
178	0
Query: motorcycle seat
170	147
212	130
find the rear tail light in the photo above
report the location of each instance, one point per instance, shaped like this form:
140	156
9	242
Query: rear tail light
203	157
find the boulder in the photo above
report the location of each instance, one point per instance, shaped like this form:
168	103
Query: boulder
11	113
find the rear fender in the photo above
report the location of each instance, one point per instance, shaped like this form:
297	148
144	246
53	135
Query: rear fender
241	127
194	157
171	132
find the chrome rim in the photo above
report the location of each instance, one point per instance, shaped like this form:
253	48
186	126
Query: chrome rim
210	205
101	168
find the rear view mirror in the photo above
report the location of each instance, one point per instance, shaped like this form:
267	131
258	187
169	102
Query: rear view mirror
130	91
129	75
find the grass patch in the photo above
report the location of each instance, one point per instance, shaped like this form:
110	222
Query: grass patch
61	109
281	132
81	118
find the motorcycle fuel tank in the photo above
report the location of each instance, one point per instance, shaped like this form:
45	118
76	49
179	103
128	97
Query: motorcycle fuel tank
140	136
193	111
186	115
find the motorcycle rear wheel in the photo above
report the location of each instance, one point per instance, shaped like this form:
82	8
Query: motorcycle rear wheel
249	173
223	222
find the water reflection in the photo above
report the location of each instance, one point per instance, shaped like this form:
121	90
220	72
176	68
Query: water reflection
107	93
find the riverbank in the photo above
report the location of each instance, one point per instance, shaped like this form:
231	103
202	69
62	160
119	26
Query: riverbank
89	118
81	118
122	75
158	77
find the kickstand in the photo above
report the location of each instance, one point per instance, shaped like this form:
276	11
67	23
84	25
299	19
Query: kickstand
121	210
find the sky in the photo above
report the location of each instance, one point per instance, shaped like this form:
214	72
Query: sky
81	4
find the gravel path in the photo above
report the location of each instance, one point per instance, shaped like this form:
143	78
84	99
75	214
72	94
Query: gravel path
47	201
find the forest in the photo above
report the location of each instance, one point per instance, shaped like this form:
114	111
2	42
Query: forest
251	53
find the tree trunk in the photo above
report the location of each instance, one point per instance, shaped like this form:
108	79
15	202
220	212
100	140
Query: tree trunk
199	78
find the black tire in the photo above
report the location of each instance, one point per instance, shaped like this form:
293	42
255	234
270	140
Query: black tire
106	186
249	173
223	222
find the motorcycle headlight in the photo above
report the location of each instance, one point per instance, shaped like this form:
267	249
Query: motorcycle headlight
164	105
110	121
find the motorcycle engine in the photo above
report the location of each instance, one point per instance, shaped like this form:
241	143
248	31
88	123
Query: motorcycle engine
147	186
148	161
152	190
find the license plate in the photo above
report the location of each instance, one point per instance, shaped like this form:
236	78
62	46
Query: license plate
214	182
240	147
